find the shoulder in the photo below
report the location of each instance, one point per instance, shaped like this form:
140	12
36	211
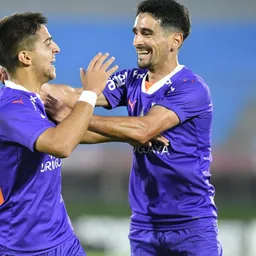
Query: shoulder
11	99
191	82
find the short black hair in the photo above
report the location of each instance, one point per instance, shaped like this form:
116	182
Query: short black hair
17	33
170	13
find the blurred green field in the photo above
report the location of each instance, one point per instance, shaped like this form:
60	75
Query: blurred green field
242	212
93	253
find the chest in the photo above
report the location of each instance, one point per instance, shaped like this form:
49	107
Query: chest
139	102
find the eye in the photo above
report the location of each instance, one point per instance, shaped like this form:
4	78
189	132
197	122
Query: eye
147	33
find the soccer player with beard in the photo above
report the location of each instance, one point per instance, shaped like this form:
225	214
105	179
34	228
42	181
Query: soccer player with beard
33	217
170	194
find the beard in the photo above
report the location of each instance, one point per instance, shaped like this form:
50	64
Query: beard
45	75
146	61
49	74
145	65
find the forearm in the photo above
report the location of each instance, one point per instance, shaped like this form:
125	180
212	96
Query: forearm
72	128
124	128
61	140
64	93
93	138
69	95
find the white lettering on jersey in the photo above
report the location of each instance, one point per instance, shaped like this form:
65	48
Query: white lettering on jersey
138	76
154	149
117	81
168	82
33	101
51	164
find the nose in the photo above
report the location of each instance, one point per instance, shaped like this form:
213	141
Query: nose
56	48
138	40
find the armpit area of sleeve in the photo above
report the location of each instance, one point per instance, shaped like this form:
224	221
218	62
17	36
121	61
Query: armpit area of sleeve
35	136
110	99
178	111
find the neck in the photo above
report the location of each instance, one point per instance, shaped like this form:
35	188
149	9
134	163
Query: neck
27	79
160	72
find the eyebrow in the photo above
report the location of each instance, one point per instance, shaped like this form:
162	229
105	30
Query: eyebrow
143	30
48	39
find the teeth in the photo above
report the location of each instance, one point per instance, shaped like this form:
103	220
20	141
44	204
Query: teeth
142	52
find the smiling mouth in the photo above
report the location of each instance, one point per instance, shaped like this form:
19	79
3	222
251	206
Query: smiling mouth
142	53
52	62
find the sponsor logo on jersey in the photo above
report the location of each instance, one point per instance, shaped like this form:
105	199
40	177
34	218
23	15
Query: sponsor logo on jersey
131	104
52	164
117	81
154	149
20	101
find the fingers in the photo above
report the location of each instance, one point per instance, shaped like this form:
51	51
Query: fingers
162	140
106	65
112	70
51	102
82	72
98	64
3	75
94	60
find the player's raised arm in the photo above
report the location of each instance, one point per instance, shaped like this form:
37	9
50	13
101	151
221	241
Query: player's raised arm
68	95
61	140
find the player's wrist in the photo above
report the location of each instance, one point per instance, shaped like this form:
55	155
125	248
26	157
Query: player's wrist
89	96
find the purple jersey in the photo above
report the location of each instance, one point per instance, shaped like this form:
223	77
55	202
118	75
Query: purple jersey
169	185
33	216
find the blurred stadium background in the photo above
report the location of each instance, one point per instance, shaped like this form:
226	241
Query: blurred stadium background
221	49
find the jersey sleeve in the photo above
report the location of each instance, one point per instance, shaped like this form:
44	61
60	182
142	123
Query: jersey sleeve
116	90
187	99
21	124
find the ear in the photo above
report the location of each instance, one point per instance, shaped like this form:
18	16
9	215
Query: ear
25	57
176	41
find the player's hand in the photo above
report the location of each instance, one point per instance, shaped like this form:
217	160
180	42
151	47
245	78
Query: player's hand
98	72
158	139
161	139
55	109
3	74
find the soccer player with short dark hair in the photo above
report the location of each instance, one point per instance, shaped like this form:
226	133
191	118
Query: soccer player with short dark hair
33	217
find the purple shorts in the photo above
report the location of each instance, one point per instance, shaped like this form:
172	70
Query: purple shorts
71	247
200	240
